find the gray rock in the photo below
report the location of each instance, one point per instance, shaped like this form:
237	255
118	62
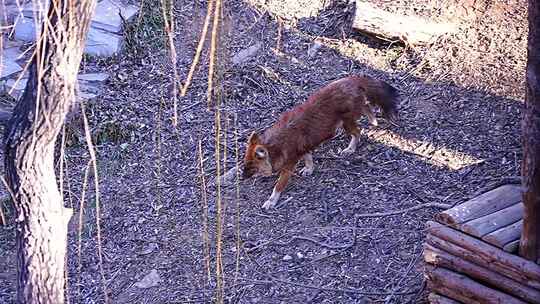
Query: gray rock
83	96
149	249
245	54
152	279
98	42
24	29
107	15
35	7
103	38
15	89
8	67
12	53
102	43
313	49
10	13
9	43
93	77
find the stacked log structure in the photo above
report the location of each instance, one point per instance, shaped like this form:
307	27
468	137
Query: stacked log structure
471	252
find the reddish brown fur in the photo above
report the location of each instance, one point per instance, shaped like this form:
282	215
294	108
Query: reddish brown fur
303	128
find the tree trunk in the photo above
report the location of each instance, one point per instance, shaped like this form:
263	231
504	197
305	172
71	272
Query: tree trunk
530	236
29	152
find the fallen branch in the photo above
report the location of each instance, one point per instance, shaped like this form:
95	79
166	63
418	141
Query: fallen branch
389	26
257	246
427	205
320	288
190	106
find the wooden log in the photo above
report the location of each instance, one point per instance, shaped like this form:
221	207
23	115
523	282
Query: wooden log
439	257
505	235
460	287
434	298
448	292
484	254
494	221
482	205
529	247
472	257
512	247
395	27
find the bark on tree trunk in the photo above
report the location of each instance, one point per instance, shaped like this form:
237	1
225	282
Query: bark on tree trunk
530	237
29	148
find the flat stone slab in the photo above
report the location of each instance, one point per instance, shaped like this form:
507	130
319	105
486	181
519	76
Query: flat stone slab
8	64
12	53
98	42
9	43
103	38
107	15
93	77
24	29
85	96
102	43
8	68
88	86
246	54
10	13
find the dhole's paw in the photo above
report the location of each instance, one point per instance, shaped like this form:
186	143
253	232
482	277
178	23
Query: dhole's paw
347	152
270	203
306	171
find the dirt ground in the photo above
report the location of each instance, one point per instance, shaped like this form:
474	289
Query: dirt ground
459	135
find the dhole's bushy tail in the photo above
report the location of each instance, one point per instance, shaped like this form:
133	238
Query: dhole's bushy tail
382	94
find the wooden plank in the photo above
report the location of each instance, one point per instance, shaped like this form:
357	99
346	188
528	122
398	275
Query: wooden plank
482	205
439	257
396	27
460	287
494	221
505	235
484	254
434	298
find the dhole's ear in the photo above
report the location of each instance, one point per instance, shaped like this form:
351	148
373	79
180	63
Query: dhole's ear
261	152
254	138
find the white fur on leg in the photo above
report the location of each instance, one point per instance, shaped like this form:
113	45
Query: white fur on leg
308	165
371	116
272	201
352	146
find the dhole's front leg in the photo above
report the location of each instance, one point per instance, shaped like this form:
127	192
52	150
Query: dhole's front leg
351	128
308	165
284	176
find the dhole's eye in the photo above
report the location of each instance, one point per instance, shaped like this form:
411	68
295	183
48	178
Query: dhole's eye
260	153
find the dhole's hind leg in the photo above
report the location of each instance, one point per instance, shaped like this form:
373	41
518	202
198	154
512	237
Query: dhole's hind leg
351	128
308	165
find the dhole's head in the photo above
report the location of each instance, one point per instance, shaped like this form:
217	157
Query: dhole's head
257	159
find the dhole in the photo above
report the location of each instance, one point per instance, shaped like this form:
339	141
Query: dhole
300	130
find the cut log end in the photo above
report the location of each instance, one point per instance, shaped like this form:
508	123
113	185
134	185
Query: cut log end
434	298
